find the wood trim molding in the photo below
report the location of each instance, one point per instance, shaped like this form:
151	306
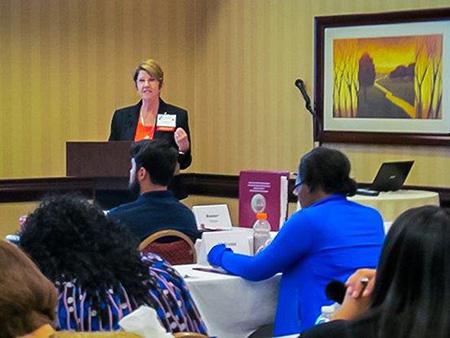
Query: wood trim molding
33	189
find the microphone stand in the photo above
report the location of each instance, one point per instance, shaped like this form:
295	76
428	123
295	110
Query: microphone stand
317	125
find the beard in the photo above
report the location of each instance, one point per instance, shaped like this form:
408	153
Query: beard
134	188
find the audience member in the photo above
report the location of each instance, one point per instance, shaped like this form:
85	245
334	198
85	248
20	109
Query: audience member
27	298
412	284
328	239
152	167
98	272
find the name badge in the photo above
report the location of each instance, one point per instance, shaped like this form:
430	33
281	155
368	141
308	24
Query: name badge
166	122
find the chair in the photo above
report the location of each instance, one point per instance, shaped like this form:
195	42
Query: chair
179	251
189	335
117	334
69	334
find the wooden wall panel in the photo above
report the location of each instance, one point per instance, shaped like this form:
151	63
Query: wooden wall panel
65	65
248	112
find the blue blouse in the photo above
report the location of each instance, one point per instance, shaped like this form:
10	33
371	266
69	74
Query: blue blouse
327	241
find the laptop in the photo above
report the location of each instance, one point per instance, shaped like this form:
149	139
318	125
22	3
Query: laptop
390	177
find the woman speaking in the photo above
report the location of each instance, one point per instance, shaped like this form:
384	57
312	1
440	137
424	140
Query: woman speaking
151	117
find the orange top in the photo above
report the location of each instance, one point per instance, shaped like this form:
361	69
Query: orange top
143	132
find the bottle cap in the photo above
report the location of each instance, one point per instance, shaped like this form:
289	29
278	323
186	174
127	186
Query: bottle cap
261	215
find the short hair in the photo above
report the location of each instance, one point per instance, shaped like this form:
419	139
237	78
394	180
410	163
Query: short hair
152	68
413	275
158	157
328	169
27	298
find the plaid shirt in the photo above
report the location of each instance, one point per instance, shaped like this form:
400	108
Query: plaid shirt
168	292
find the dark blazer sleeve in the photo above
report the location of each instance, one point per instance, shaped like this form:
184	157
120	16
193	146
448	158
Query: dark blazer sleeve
182	122
185	159
124	122
115	131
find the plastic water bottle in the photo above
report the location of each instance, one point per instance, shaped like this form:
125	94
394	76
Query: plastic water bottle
261	232
327	312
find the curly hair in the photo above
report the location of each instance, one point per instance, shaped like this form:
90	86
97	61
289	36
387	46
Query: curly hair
71	239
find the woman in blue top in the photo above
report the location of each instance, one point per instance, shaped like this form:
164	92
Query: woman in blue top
329	238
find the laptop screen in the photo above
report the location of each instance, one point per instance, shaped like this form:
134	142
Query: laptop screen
391	176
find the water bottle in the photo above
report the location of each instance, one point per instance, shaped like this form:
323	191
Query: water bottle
261	232
327	312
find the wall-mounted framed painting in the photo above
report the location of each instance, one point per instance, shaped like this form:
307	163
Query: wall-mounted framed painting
384	77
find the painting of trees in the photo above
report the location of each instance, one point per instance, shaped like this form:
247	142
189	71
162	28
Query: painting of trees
366	72
388	77
345	85
428	77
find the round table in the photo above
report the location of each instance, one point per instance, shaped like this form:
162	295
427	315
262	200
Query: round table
392	203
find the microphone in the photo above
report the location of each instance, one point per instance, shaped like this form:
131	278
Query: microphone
335	291
301	86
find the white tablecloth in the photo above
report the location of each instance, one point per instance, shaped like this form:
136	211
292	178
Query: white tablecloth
231	306
392	203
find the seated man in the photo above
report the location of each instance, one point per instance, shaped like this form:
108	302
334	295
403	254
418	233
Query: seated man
152	168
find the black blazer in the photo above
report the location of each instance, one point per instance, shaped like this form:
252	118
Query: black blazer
125	120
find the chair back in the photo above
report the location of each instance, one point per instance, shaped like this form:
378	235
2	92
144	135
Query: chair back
179	251
116	334
189	335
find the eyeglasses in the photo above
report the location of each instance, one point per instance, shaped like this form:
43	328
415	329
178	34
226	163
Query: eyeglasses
297	186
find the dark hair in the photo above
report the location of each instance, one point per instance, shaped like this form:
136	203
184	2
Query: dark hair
158	157
70	238
328	169
412	288
27	298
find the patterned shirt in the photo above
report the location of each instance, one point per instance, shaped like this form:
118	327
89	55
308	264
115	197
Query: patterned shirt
168	295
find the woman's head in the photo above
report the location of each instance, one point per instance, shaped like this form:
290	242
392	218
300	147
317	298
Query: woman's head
148	78
325	170
413	278
152	68
27	298
69	238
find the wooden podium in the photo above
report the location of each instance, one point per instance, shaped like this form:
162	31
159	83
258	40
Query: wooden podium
98	159
108	163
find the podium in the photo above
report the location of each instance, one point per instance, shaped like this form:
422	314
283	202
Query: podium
108	163
98	159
